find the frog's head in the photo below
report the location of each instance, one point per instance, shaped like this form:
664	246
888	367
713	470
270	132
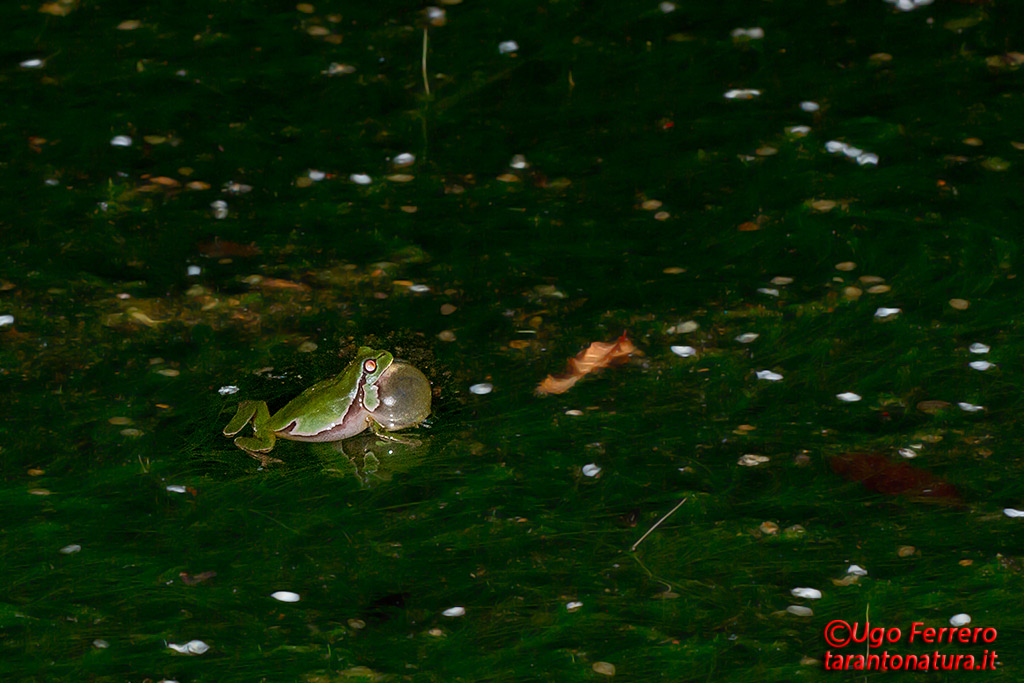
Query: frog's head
373	363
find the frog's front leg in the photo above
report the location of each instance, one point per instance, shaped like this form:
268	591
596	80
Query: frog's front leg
384	435
263	438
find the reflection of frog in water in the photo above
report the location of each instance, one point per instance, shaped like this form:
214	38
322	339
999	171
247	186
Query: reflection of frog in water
369	459
373	391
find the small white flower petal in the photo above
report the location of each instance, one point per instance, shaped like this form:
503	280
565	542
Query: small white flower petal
751	460
6	320
360	179
908	453
419	289
848	397
1012	513
857	570
70	549
809	106
800	611
508	46
978	347
742	94
192	647
404	159
482	388
684	351
853	151
285	596
573	606
768	375
591	470
768	290
192	271
981	365
809	593
959	620
454	611
176	488
228	390
31	64
798	130
835	146
747	337
121	141
884	312
518	162
315	175
970	407
867	159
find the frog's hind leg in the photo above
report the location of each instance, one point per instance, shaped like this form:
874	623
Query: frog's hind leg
247	411
263	439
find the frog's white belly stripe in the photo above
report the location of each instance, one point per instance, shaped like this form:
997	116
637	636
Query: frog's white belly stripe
337	430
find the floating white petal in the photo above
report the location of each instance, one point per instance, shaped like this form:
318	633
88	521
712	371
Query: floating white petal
848	396
518	162
285	596
978	347
1010	512
742	94
768	375
573	606
747	337
684	351
31	64
121	141
768	290
809	106
591	470
798	130
220	209
867	159
419	289
228	390
667	7
755	33
192	647
959	620
908	453
809	593
404	159
835	146
482	388
70	549
315	175
360	179
193	270
507	46
176	488
800	611
884	312
981	365
6	320
970	407
852	151
857	570
454	611
751	460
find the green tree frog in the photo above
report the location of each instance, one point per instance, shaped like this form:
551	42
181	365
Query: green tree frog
374	391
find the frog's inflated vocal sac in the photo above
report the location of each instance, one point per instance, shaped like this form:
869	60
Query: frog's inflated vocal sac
374	391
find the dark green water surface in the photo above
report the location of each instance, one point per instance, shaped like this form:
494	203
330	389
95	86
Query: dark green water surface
591	179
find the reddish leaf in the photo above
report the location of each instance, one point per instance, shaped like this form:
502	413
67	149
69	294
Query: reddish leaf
881	474
595	357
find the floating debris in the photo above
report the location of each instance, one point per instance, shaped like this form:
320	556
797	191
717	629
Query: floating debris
800	611
907	453
316	175
454	612
591	470
228	390
573	412
959	620
856	570
176	488
742	94
336	69
192	271
862	157
597	356
192	647
982	365
605	668
883	475
482	388
404	159
978	347
1012	513
970	407
573	606
684	328
848	397
506	47
419	289
32	63
747	337
960	304
667	7
100	644
846	266
909	5
809	106
768	375
684	351
518	162
360	179
755	33
884	312
285	596
220	209
809	593
6	320
121	141
768	290
70	549
751	460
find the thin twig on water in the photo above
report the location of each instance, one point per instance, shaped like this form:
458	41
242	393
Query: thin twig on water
657	524
426	83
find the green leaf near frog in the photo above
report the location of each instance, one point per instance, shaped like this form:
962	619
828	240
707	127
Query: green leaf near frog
374	391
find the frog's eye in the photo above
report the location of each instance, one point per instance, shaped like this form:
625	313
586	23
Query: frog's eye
369	365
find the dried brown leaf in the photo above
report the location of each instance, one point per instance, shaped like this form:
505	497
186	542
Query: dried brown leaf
595	357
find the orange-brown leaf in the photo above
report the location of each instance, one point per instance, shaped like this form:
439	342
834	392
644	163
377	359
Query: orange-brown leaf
595	357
